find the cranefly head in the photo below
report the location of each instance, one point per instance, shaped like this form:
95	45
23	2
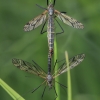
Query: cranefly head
50	9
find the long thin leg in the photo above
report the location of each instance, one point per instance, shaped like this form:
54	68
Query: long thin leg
61	84
60	27
43	92
60	65
58	24
55	65
60	68
55	93
43	28
30	91
61	60
37	87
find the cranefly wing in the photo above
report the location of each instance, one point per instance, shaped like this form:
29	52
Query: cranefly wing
68	20
28	67
34	23
76	60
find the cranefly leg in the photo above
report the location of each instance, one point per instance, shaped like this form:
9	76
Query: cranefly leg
43	92
43	28
37	87
55	93
60	27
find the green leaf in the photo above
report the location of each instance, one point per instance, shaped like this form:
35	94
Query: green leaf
68	78
10	91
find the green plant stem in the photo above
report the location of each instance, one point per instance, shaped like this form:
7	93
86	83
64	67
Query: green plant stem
50	1
56	67
68	78
10	91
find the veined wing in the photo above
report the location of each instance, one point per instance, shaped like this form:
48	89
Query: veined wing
28	67
76	60
68	20
34	23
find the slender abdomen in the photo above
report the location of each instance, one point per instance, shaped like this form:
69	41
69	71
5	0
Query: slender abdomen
50	36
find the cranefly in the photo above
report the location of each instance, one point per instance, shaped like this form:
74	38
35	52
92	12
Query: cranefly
48	77
48	16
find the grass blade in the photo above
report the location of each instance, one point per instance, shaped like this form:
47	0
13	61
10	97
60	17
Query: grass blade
68	78
10	91
57	88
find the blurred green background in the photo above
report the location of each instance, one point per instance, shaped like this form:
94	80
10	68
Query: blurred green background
15	43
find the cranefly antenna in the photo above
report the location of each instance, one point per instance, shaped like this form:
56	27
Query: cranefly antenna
41	7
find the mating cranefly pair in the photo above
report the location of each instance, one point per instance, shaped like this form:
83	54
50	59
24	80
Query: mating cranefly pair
34	23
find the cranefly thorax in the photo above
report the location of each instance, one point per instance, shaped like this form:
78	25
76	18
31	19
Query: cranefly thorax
49	79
